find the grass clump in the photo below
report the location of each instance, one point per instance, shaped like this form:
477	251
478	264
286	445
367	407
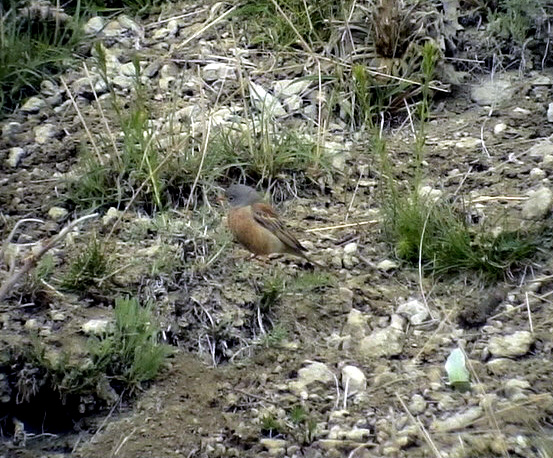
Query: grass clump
514	20
131	353
125	357
264	152
88	268
36	43
289	22
445	242
430	230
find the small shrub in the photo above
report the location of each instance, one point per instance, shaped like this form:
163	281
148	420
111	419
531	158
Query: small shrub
88	268
36	43
131	354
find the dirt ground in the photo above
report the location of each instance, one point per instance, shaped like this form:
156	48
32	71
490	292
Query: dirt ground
199	409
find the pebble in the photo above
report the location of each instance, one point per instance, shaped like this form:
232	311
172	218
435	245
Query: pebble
538	204
516	344
15	156
57	213
354	379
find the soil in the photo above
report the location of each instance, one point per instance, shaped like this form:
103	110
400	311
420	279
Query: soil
224	381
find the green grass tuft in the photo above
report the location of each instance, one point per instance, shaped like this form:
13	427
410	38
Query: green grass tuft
33	49
131	353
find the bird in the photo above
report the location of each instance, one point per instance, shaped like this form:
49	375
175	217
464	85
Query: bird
257	226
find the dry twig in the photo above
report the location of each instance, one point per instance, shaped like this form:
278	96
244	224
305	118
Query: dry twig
40	251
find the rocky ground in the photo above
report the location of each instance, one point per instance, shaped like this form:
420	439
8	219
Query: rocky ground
344	361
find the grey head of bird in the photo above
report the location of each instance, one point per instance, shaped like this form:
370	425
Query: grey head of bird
240	195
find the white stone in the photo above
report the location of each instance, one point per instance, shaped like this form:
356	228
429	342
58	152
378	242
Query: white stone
493	91
44	133
128	69
458	421
31	324
316	372
382	342
550	112
94	25
538	173
265	102
15	156
540	150
387	265
415	311
95	327
57	213
111	215
516	344
356	324
33	105
354	379
350	248
293	103
431	194
499	128
538	204
468	143
216	71
288	88
11	128
417	405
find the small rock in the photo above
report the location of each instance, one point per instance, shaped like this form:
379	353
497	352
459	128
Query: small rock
538	204
94	25
96	327
48	88
356	324
57	213
128	69
516	344
547	160
499	128
217	71
493	91
414	310
431	194
111	215
387	265
316	372
417	405
468	144
514	389
15	156
265	102
350	248
33	105
11	128
44	133
537	173
539	150
288	88
383	342
458	421
550	112
499	366
275	447
58	316
31	324
354	379
129	24
123	82
521	113
293	103
358	434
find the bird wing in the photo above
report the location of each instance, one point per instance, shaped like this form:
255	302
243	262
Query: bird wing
266	216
